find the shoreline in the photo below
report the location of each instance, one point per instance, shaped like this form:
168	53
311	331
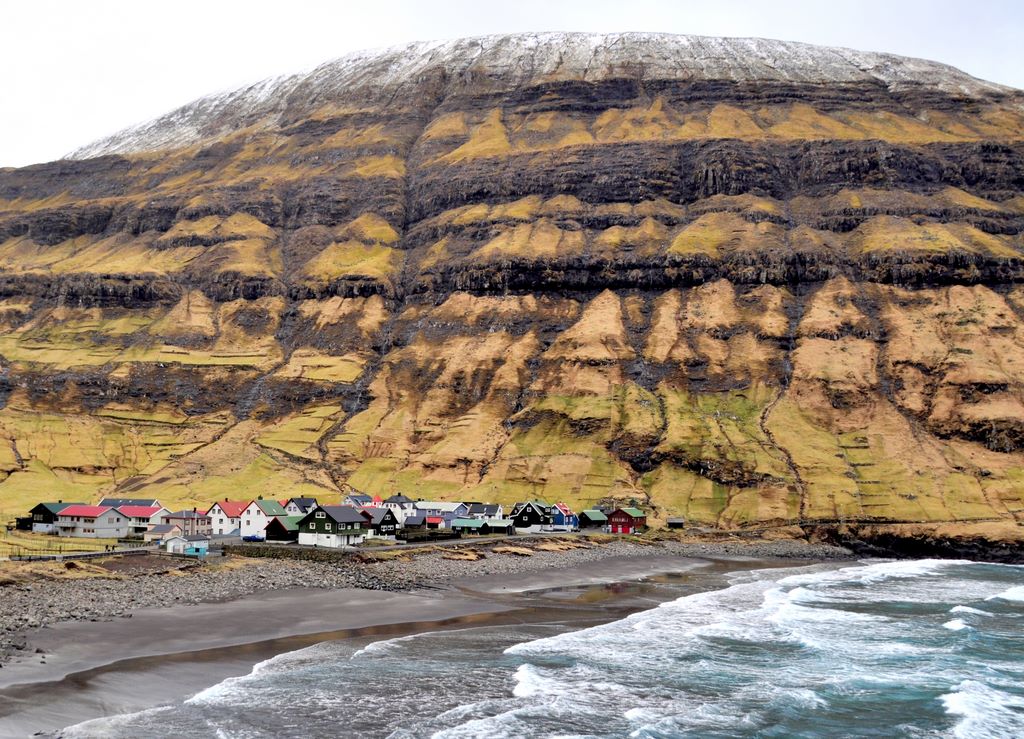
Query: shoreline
37	596
94	668
159	659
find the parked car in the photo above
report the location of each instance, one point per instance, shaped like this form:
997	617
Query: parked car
253	538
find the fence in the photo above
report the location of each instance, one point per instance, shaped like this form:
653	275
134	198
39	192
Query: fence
77	555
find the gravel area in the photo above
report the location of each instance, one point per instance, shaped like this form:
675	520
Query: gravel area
434	569
29	605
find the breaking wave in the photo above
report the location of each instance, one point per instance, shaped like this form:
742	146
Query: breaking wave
914	648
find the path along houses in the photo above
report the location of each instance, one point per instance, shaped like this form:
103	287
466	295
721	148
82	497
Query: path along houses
303	521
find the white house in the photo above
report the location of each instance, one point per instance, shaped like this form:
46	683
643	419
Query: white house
439	507
401	506
333	526
486	510
142	517
257	515
226	515
357	499
92	521
300	506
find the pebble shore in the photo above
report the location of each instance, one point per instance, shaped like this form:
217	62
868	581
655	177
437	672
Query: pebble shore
25	607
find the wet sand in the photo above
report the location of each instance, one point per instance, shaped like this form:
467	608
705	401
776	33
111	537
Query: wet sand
164	655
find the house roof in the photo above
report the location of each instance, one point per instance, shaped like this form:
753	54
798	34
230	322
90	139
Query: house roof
415	519
197	537
563	508
118	502
503	523
539	505
634	512
163	528
468	523
339	513
444	506
269	507
377	514
360	497
302	502
594	515
399	498
290	523
86	511
139	511
484	508
54	508
186	514
435	519
231	508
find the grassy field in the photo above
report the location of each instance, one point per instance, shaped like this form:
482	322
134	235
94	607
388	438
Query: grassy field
24	542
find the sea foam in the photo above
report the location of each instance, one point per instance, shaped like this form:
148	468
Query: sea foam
987	713
1014	594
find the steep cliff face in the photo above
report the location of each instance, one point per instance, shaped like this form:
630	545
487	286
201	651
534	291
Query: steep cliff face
739	280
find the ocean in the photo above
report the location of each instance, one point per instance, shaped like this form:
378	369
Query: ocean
922	648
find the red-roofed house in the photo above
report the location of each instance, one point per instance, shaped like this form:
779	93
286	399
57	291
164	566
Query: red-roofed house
142	517
226	515
93	521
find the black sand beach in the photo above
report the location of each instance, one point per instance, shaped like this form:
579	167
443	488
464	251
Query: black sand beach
164	654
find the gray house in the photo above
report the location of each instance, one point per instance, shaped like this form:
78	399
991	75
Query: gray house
93	522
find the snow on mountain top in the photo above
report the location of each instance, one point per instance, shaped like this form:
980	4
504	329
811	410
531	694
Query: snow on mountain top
511	61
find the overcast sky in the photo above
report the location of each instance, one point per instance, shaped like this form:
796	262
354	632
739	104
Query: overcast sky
72	72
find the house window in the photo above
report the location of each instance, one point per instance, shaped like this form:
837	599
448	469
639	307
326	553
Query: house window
321	514
327	526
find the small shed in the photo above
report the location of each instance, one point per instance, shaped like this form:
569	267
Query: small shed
161	531
415	521
592	518
193	545
468	525
499	526
676	523
283	528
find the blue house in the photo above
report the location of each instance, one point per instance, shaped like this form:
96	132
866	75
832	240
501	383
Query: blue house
563	519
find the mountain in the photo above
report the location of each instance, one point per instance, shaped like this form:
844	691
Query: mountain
744	281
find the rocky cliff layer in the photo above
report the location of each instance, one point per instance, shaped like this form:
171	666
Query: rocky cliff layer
738	280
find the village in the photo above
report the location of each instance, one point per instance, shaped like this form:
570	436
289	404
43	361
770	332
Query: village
357	519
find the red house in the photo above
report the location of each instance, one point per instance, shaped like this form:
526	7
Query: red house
626	521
